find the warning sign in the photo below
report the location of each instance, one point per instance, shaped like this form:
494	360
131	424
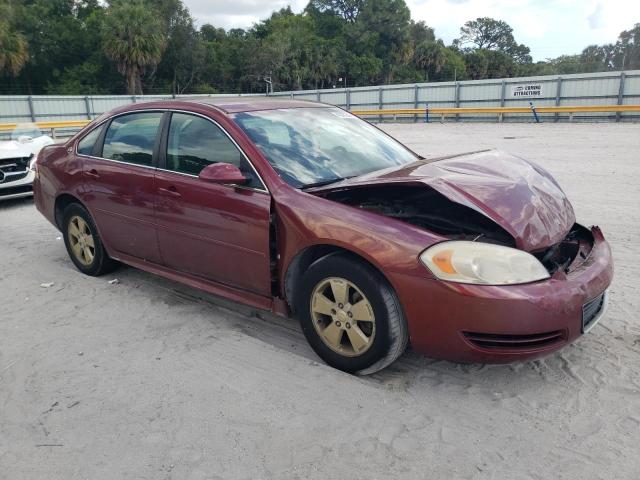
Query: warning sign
527	91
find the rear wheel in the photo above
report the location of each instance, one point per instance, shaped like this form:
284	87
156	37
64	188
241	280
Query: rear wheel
350	315
83	242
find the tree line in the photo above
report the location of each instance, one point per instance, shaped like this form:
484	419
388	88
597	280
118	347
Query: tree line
154	46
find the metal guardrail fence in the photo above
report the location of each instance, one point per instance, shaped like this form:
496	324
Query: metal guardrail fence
604	89
595	89
426	112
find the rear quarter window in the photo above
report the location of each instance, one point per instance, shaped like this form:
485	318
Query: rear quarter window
85	146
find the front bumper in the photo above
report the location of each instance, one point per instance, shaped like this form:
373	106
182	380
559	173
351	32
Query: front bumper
22	187
502	324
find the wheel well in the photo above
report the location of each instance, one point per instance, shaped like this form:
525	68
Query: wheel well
62	202
304	259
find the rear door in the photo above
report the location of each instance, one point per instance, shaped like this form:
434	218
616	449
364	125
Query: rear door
119	179
218	232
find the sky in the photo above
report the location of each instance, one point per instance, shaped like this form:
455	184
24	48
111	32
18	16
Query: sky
550	28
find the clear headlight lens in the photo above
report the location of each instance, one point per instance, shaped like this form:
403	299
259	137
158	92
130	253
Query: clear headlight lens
482	263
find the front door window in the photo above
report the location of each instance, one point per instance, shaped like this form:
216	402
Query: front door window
195	142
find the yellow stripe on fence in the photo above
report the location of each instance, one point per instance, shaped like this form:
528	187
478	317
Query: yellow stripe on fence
499	110
48	125
407	111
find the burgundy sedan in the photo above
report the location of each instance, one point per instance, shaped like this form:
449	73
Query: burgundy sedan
306	210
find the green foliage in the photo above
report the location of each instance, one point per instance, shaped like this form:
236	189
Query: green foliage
58	37
626	53
483	63
14	51
153	46
82	78
133	38
184	57
488	34
347	9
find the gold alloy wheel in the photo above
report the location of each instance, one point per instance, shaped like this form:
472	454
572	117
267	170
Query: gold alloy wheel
81	240
343	317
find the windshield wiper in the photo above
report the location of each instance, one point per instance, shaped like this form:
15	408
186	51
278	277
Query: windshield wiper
324	182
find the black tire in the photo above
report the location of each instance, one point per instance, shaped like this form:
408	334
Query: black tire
100	263
391	333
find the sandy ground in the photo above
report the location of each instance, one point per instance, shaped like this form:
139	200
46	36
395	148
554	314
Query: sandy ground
147	379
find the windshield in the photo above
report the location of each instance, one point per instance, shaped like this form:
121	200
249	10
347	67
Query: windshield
313	146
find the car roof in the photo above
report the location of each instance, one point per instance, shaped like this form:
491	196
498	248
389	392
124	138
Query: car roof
251	104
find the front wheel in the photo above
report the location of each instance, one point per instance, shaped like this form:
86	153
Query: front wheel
350	315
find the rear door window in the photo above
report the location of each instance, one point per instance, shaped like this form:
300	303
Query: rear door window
131	138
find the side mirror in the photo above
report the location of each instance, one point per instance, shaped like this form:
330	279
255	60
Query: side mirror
223	173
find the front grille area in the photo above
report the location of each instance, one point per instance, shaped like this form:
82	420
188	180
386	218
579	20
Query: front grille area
13	177
13	169
17	164
494	341
591	310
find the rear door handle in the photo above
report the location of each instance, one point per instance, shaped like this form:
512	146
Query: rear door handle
93	173
169	192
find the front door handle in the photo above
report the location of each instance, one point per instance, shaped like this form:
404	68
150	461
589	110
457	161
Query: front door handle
93	173
169	192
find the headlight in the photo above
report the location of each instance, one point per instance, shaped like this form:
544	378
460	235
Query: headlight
482	263
32	162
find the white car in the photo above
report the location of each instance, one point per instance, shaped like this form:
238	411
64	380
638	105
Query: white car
16	160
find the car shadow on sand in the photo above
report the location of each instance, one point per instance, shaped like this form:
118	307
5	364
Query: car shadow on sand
412	371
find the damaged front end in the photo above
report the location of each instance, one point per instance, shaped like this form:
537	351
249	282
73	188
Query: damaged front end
424	208
569	254
488	197
428	209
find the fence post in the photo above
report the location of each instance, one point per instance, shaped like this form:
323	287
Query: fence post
380	102
318	95
535	114
348	99
87	106
503	91
623	76
133	99
457	100
558	96
31	109
415	102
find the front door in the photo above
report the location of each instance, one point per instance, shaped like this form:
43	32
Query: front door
119	182
218	232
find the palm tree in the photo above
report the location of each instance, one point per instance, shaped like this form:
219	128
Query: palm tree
133	37
14	51
430	57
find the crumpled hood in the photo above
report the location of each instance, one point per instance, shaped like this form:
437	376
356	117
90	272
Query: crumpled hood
518	195
14	149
